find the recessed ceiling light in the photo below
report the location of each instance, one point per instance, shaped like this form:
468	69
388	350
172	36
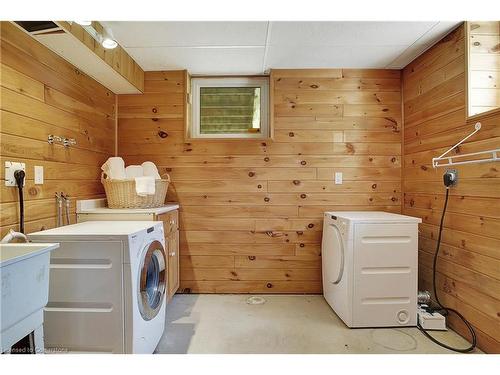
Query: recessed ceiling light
109	43
84	23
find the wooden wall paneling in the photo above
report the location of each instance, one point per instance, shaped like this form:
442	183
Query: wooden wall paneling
434	98
254	286
21	83
276	161
42	94
24	54
251	210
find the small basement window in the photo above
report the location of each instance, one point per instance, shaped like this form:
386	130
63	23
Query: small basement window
483	67
230	107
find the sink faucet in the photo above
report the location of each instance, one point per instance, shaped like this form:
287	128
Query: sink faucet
14	235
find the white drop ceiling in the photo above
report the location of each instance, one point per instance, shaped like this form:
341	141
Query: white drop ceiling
255	47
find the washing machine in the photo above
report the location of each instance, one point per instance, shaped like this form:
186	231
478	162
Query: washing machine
107	287
370	267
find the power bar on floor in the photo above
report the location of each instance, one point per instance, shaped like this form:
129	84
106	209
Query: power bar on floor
431	321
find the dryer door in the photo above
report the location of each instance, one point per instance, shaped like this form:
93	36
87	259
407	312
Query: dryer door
333	254
152	280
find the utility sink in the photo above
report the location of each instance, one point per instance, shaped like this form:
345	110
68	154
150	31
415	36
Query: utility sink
24	273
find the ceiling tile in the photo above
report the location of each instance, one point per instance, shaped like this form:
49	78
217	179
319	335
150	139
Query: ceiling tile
436	33
406	57
239	47
201	60
347	33
423	44
331	56
187	34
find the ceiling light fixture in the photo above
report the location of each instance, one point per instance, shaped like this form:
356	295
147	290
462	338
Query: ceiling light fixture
105	38
109	43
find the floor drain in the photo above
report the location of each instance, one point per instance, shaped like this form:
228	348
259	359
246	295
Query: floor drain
254	300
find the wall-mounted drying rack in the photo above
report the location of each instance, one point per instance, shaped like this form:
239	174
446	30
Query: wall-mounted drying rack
66	142
445	161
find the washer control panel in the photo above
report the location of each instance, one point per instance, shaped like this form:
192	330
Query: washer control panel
339	222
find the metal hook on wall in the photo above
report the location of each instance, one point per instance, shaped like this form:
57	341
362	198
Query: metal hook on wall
66	142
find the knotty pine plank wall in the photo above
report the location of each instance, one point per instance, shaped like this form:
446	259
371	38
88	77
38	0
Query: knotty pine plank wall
434	92
251	211
42	94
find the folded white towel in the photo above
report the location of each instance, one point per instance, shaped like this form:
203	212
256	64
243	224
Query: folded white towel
149	168
114	168
133	171
145	185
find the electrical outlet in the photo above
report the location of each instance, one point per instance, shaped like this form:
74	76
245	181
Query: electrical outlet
38	175
10	168
450	177
338	178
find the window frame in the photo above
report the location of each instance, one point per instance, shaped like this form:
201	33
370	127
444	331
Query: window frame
249	81
469	117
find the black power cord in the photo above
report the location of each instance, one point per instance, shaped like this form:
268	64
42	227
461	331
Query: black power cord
19	177
447	310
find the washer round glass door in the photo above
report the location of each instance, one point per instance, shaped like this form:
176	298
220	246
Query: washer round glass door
333	254
152	280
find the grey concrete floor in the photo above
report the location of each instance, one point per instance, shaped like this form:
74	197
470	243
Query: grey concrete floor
294	324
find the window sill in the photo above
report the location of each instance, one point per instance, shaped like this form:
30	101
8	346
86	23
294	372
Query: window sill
191	139
491	112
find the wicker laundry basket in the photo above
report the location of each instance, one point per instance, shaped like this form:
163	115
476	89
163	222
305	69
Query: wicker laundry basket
121	193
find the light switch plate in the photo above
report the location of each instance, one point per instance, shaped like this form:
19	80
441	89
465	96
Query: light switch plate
10	168
338	178
38	175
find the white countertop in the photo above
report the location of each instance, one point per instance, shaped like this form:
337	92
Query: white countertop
98	206
97	228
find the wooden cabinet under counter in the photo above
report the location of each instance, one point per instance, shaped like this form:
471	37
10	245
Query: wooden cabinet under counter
96	210
171	227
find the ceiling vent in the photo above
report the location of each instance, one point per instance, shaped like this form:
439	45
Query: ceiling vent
40	27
